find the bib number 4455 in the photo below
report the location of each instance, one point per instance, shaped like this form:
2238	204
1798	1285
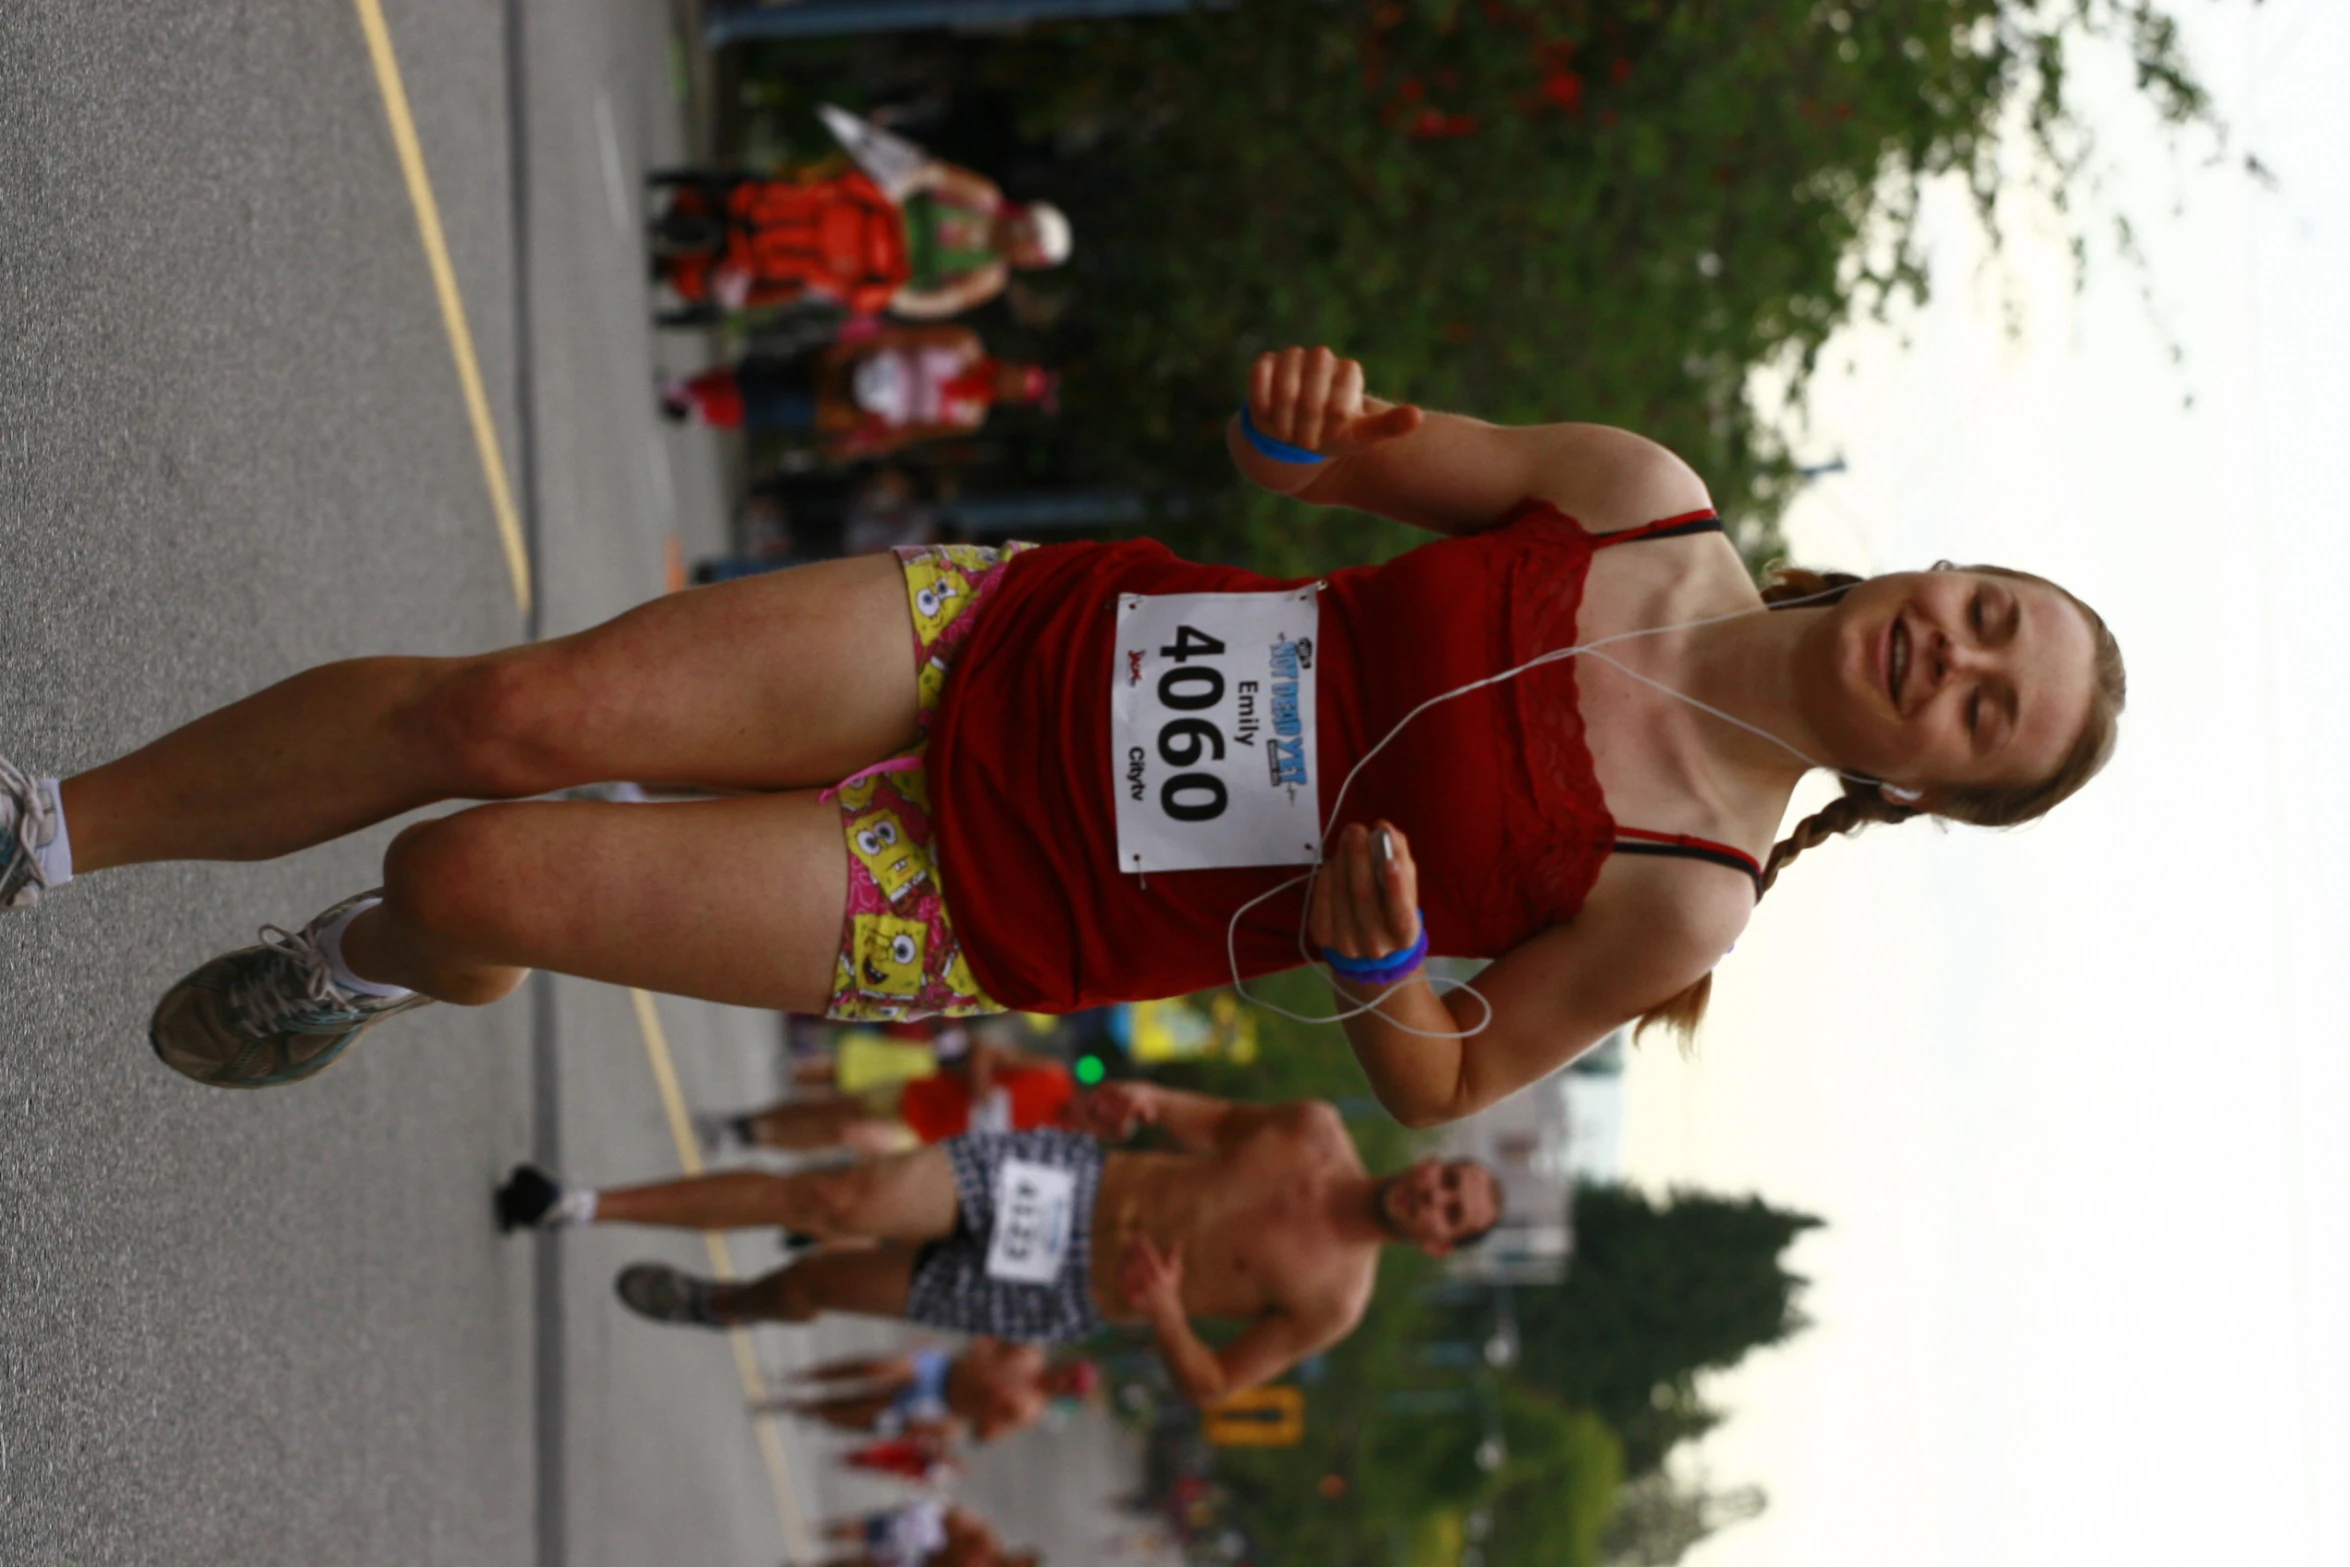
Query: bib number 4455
1212	730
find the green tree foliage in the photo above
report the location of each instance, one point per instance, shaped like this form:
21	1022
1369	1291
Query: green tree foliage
1657	1519
1527	209
1406	1465
1655	1294
1556	1496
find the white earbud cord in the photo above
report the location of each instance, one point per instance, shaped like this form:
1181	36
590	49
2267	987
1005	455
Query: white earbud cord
1438	983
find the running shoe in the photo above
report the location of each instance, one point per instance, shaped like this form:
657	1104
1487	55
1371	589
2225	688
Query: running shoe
269	1014
529	1196
660	1293
532	1199
28	820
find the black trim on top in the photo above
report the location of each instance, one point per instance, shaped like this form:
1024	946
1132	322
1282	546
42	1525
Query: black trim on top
1679	530
1692	851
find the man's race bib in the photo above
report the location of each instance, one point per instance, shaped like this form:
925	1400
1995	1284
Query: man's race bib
1034	1215
1212	730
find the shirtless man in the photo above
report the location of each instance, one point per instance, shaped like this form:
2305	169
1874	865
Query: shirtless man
1265	1215
990	1389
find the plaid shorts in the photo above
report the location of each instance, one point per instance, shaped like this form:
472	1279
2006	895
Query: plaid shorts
898	954
952	1287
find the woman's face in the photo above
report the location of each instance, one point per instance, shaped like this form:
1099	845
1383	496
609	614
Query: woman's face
1950	679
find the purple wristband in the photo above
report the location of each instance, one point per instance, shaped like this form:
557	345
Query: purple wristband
1380	971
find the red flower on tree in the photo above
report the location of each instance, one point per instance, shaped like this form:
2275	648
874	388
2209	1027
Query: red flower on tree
1434	124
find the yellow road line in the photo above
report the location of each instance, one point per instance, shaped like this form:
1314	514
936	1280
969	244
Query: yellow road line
755	1390
444	280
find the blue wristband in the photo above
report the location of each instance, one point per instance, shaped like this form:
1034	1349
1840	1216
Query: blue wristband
1279	451
1380	971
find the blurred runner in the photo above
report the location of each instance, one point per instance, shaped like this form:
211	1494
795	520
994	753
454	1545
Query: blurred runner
991	1389
948	245
1265	1215
919	1457
989	1088
931	1532
865	396
791	519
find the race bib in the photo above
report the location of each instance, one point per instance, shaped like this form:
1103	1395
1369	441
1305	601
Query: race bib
1034	1215
1212	730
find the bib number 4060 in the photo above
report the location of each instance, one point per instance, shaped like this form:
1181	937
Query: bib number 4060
1183	742
1211	715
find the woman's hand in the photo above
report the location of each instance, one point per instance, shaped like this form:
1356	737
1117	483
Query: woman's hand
1310	397
1365	908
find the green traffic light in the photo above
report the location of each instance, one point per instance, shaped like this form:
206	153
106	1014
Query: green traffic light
1090	1070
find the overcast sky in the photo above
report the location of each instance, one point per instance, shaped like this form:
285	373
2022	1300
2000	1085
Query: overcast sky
2070	1098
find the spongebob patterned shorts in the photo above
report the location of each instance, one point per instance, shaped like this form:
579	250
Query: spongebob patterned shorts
898	953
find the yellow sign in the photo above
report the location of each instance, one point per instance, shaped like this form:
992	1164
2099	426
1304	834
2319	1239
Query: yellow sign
1259	1417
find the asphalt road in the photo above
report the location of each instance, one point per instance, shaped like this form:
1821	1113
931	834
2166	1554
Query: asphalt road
278	1327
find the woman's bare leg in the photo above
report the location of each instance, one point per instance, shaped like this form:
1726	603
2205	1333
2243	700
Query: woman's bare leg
788	680
737	901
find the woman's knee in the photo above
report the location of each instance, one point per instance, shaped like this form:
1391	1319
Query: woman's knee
504	726
449	879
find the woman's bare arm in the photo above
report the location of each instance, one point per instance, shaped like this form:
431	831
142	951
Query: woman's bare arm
1446	472
1648	930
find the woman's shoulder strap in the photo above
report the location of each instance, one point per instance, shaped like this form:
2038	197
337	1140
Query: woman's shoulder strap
1682	526
1685	846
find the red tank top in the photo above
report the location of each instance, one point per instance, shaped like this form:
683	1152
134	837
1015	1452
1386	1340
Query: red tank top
1495	788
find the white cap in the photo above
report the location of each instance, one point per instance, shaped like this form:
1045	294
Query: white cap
1048	228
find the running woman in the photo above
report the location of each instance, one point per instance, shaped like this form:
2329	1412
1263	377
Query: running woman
966	795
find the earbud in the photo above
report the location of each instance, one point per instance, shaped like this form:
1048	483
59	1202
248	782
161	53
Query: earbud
1899	794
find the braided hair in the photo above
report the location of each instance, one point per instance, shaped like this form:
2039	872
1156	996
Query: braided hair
1986	805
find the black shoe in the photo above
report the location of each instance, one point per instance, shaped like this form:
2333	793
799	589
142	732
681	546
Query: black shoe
660	1293
526	1199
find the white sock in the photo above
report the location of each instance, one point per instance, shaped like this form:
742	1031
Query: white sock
55	858
577	1205
330	944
